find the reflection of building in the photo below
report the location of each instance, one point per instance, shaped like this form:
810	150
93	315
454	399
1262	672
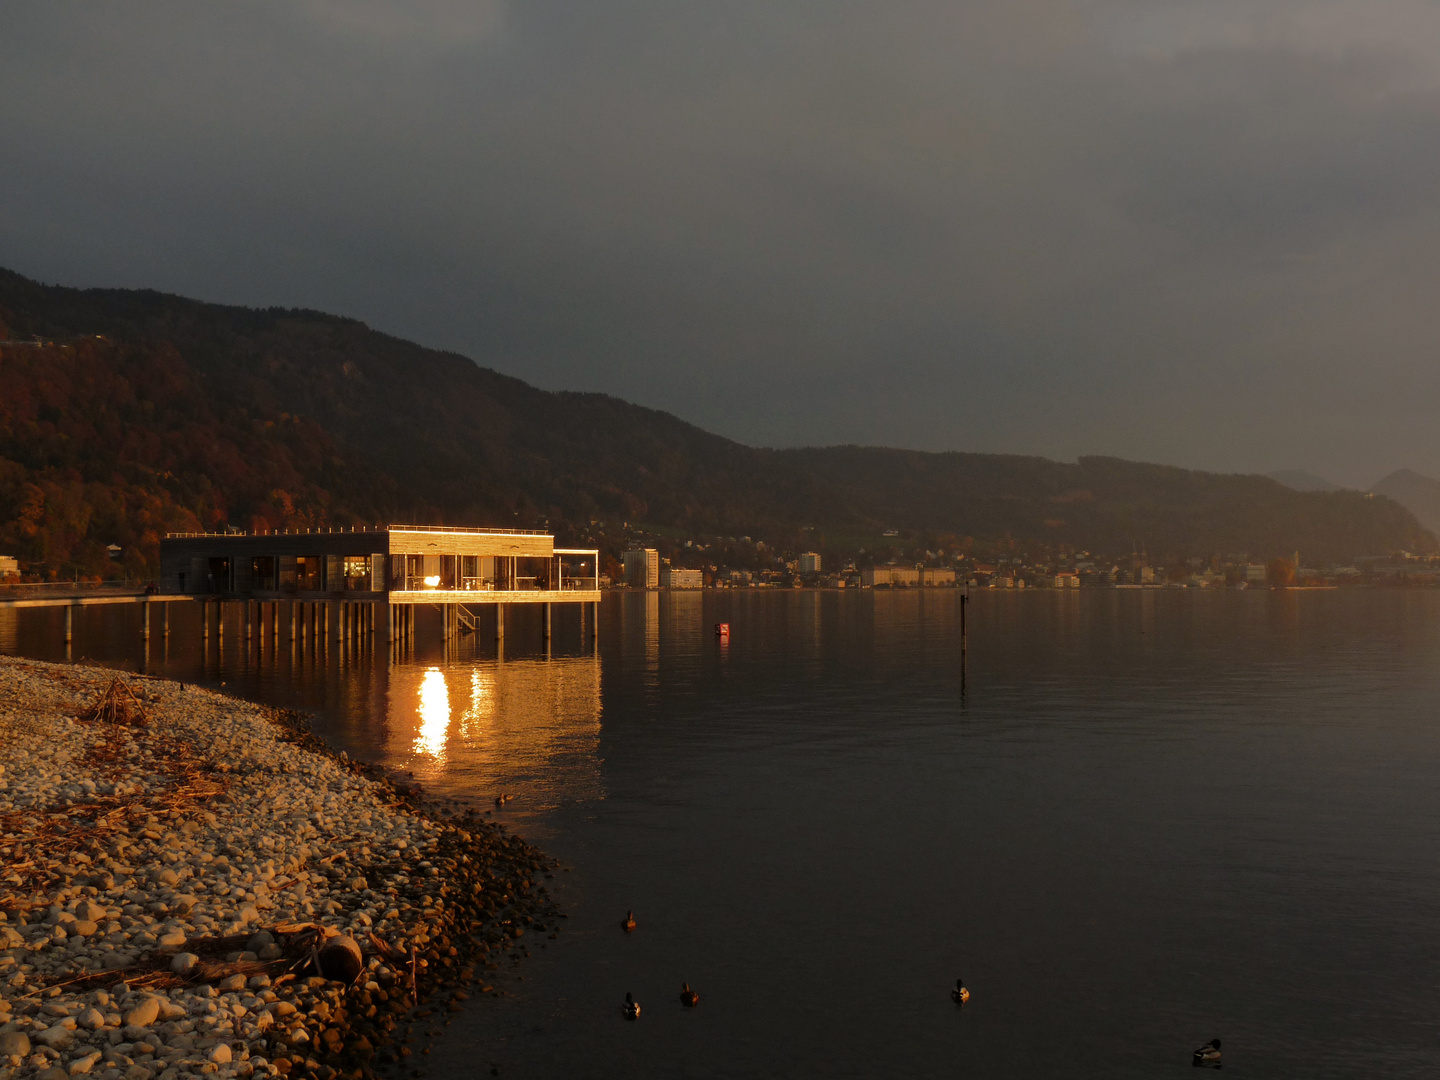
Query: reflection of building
652	637
684	627
530	728
642	568
674	578
809	563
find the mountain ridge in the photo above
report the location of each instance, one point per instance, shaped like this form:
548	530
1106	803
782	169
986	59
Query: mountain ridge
1302	480
184	415
1417	493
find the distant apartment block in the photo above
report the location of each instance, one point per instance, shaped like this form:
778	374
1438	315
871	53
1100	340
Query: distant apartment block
672	577
9	566
809	563
907	576
893	576
1255	571
1064	581
642	568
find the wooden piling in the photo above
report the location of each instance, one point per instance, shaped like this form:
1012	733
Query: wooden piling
964	639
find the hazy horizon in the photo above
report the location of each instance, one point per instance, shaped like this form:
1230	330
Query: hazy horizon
1198	237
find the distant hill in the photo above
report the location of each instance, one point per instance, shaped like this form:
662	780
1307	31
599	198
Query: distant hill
1300	480
1418	494
139	412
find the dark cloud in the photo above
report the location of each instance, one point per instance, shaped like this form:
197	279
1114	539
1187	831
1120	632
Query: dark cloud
1194	233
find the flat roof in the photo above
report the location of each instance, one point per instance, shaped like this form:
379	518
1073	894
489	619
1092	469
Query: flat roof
370	530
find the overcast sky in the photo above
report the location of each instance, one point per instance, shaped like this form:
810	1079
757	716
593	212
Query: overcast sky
1203	233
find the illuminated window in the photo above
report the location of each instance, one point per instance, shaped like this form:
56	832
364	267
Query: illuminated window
357	573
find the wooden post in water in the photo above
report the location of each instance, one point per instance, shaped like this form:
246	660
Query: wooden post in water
964	636
145	618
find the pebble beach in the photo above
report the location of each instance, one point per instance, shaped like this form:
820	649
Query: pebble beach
194	885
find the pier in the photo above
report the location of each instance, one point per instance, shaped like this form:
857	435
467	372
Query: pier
81	595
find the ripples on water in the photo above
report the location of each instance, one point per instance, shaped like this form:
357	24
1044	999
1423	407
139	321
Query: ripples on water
1158	818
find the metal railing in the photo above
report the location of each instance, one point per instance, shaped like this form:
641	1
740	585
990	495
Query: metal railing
464	529
14	590
366	530
519	585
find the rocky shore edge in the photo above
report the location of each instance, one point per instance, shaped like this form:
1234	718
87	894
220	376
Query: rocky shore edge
194	885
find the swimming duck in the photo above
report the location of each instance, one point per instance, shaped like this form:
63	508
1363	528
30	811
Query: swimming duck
1209	1054
628	923
689	998
960	995
632	1007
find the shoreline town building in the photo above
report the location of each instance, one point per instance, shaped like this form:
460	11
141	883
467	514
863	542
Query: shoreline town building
366	579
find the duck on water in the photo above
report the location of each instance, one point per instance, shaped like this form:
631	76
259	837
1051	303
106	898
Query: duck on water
1208	1055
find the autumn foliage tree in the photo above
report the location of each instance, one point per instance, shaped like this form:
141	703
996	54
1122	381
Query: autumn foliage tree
105	443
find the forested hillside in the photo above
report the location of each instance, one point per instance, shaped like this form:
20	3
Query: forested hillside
135	413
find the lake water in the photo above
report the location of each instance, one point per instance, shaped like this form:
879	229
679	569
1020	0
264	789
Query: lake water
1156	818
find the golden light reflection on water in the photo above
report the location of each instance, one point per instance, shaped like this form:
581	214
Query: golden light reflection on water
434	713
530	728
